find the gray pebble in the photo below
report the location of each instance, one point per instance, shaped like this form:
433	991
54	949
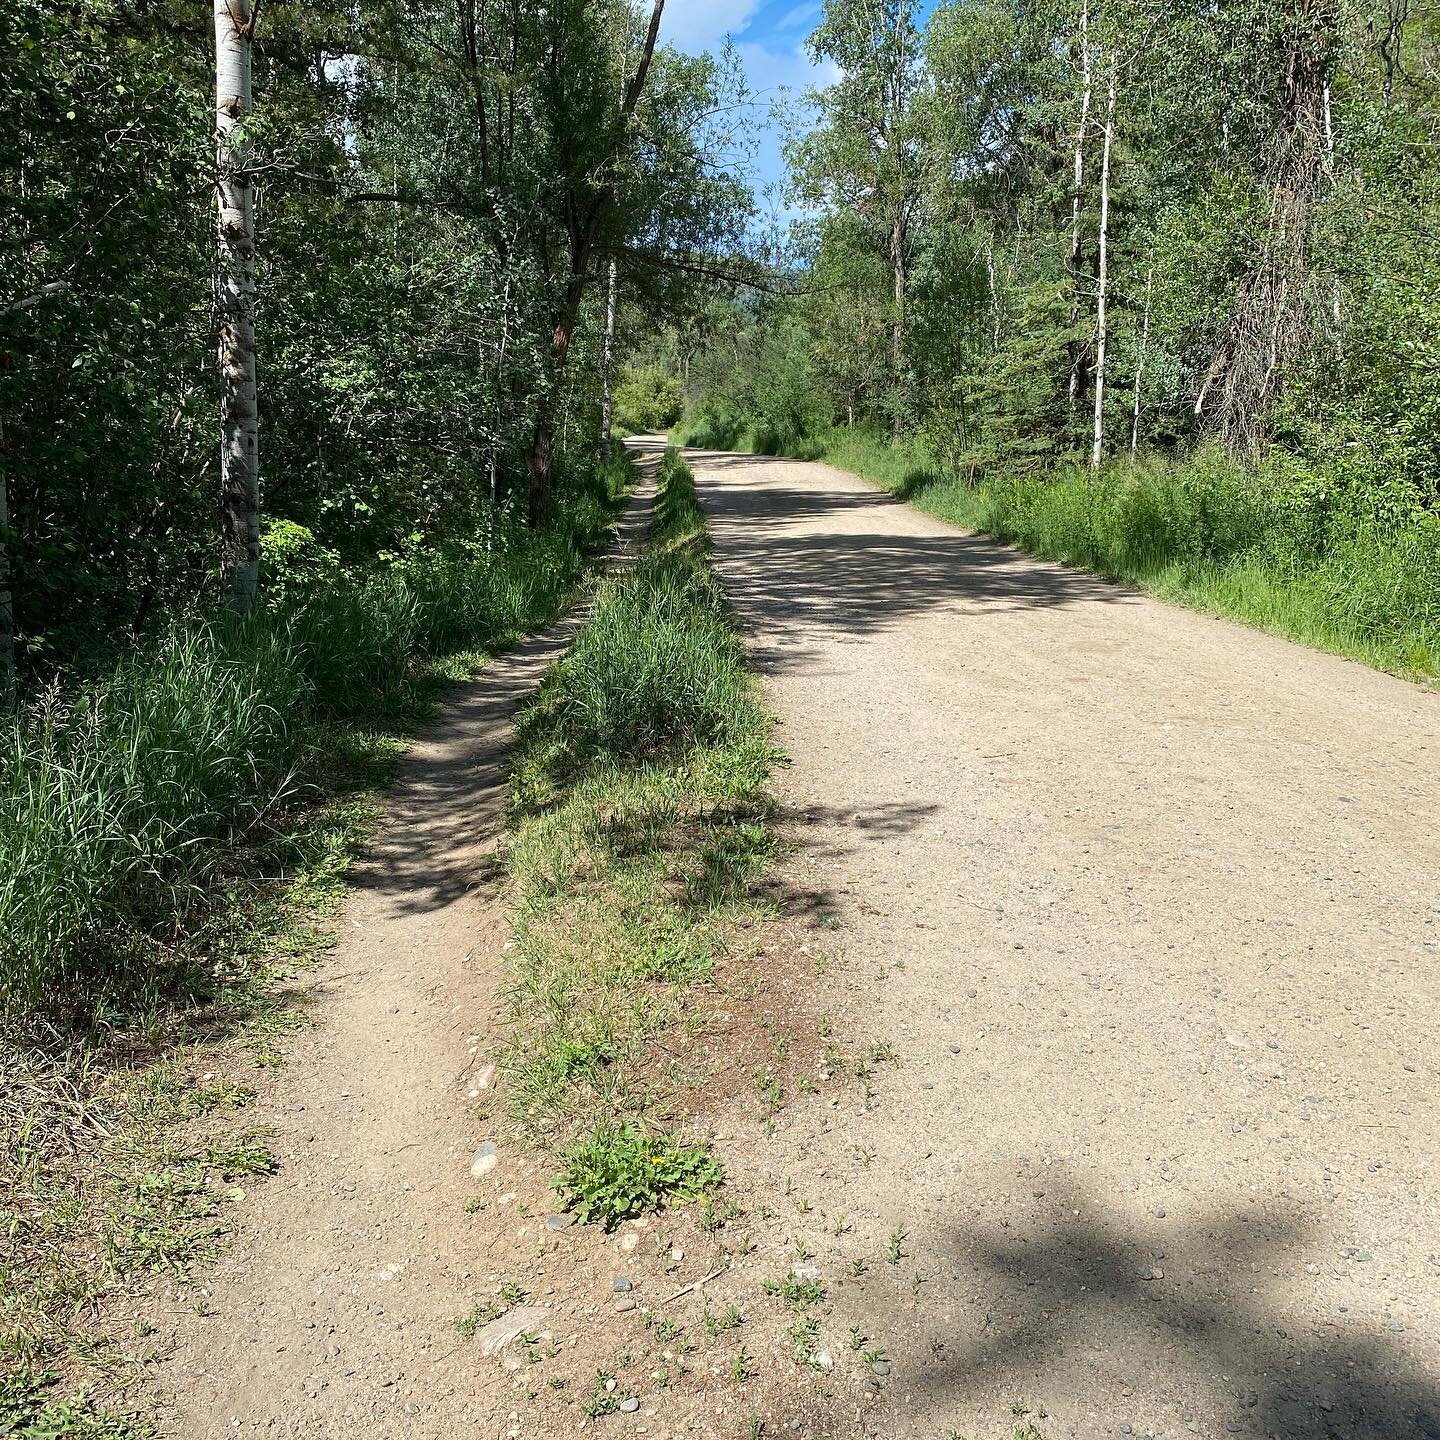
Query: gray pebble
412	1408
955	1049
557	1222
630	1406
880	1367
926	1085
972	993
1160	1212
485	1159
1397	1325
621	1284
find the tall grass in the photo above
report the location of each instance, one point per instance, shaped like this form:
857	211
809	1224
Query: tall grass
639	784
1303	559
120	797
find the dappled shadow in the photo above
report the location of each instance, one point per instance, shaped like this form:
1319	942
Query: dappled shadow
1071	1281
447	810
803	559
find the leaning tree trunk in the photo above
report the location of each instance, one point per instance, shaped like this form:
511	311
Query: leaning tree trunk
235	300
1102	293
607	366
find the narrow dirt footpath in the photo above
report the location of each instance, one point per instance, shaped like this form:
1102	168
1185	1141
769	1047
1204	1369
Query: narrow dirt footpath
334	1315
1147	904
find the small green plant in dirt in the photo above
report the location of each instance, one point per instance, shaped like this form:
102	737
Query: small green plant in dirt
604	1397
742	1367
894	1252
618	1171
480	1314
727	1319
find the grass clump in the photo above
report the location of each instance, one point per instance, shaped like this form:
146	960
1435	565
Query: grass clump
619	1171
639	784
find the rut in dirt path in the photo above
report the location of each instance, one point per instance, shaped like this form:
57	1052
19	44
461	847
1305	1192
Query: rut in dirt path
1154	897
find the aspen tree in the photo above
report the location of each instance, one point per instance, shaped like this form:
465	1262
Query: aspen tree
1103	277
235	304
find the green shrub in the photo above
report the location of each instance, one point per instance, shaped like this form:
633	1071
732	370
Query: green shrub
648	399
619	1171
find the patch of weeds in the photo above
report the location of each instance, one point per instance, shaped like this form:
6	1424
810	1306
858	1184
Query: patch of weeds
603	1398
894	1251
28	1413
617	1172
512	1293
727	1319
742	1367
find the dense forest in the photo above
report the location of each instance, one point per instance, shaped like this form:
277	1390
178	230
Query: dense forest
1045	242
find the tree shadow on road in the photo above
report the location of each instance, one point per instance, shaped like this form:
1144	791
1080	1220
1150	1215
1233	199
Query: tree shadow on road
802	562
1076	1282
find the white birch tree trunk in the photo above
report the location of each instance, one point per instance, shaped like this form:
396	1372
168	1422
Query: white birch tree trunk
235	304
1103	277
994	293
607	365
1140	360
1077	194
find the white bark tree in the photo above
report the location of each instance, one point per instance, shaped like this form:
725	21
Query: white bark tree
1077	195
1103	270
607	365
235	302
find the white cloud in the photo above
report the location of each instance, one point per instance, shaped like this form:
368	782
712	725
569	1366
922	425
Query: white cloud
697	25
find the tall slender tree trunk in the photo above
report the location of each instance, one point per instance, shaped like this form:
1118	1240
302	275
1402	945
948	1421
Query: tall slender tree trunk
1077	195
235	301
1103	286
607	364
897	324
994	293
1140	359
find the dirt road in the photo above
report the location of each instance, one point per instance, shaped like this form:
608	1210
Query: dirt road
1147	904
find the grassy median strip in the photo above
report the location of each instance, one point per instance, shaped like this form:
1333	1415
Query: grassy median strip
641	830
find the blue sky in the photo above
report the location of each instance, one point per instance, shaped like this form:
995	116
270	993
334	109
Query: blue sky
769	36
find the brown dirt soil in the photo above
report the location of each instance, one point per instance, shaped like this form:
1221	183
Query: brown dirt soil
1146	903
334	1314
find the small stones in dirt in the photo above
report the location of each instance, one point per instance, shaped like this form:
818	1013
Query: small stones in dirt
557	1222
677	1254
484	1077
629	1405
956	1049
627	1243
823	1360
624	1303
805	1272
485	1159
621	1285
880	1367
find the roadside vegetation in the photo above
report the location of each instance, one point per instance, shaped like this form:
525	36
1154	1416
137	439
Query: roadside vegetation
641	829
